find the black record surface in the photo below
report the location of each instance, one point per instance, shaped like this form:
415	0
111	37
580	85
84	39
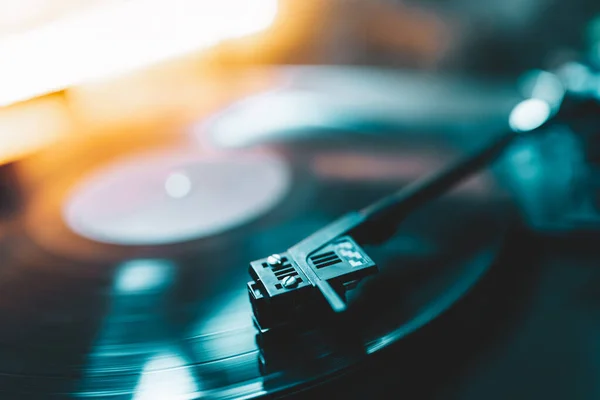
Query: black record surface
93	317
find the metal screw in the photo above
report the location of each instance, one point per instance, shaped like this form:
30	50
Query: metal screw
274	260
290	282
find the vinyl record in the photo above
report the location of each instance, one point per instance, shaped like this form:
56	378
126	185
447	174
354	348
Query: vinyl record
124	275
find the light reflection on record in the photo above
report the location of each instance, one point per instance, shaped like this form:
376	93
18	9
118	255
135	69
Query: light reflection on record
167	198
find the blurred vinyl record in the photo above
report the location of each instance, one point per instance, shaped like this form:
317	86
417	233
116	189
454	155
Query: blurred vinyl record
124	273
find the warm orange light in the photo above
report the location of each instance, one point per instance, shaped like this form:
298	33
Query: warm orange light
30	126
120	37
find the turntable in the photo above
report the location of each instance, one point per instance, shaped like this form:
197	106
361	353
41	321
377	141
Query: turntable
130	269
298	231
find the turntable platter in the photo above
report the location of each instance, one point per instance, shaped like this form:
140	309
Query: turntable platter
96	306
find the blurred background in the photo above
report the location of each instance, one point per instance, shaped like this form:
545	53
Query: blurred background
80	68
